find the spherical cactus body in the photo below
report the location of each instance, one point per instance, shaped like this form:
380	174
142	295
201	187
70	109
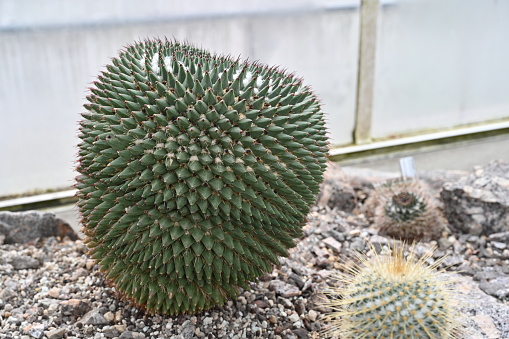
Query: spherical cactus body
196	171
405	210
391	296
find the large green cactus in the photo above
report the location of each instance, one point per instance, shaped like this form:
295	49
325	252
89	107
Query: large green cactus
196	172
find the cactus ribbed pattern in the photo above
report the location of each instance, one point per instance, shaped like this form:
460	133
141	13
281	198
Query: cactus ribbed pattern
393	297
196	172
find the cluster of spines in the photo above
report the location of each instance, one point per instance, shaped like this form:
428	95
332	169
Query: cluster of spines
393	297
405	205
196	172
404	209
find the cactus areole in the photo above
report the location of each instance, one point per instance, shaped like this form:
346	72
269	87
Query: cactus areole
196	171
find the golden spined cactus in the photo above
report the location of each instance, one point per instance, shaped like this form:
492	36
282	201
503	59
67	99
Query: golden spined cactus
393	296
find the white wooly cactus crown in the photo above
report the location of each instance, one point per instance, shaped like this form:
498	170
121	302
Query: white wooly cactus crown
393	296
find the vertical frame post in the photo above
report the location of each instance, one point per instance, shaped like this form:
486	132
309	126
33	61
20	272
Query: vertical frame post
366	74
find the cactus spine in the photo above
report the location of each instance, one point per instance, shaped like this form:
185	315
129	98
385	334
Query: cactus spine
405	210
196	172
391	296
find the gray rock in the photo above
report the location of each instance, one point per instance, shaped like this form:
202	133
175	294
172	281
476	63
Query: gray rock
20	262
333	244
126	335
75	307
111	332
478	204
7	294
500	237
187	330
316	302
284	289
23	227
35	330
56	333
94	318
132	335
301	333
358	244
336	191
498	287
476	302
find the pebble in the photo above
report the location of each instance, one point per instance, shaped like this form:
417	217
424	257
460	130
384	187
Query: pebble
109	316
294	317
272	319
35	330
57	333
333	244
54	292
284	289
312	315
93	317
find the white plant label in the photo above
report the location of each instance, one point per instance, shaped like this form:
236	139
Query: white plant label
407	167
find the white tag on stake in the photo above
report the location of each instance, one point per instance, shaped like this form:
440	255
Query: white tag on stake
407	167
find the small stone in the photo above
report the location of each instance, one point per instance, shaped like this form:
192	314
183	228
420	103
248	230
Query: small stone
333	244
272	319
56	333
22	262
126	335
498	287
93	317
80	272
284	289
296	280
285	302
294	317
187	330
301	333
120	328
54	292
312	315
358	244
75	307
89	265
498	245
315	302
261	303
35	330
7	294
453	260
111	332
207	321
109	316
300	307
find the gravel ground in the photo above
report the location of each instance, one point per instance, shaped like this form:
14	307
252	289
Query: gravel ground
50	289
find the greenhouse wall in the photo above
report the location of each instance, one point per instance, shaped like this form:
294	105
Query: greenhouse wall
439	64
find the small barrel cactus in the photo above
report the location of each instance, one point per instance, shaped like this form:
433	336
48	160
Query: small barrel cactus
391	296
405	210
195	172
